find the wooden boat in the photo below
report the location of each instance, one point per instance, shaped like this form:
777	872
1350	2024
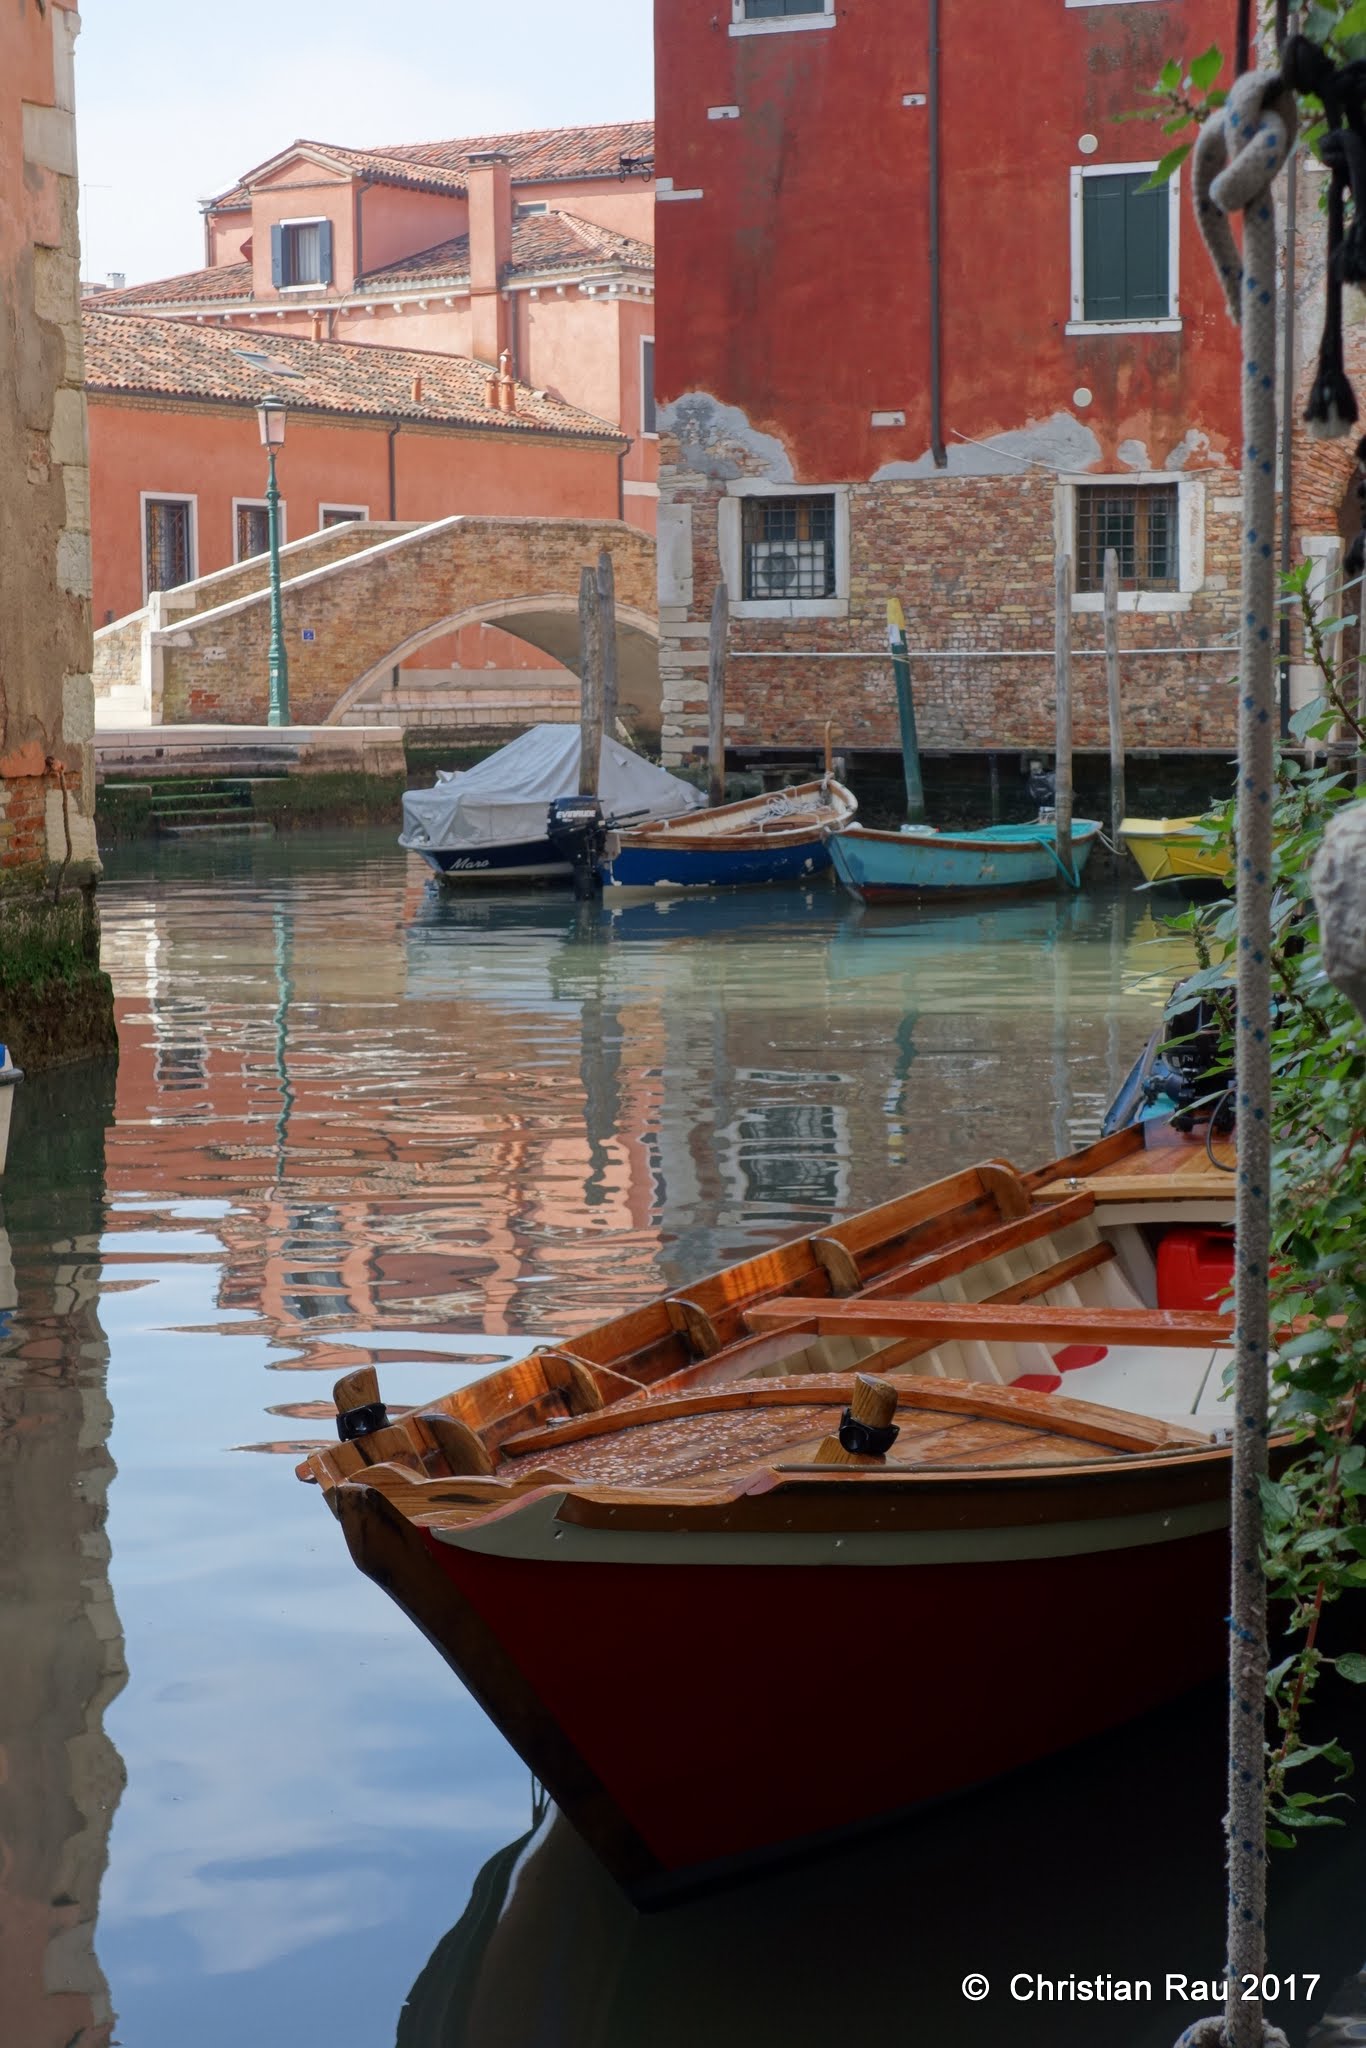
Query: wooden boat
9	1076
686	1566
880	866
1174	850
780	837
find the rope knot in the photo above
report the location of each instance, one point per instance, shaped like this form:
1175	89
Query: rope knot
1238	155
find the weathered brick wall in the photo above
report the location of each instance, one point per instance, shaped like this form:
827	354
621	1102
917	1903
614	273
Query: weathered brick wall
214	665
23	821
118	654
313	551
972	560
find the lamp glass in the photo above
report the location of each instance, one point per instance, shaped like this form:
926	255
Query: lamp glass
270	416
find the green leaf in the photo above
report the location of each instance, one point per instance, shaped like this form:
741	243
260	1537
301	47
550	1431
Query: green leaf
1170	163
1276	1840
1206	68
1352	23
1351	1665
1278	1501
1309	1344
1169	78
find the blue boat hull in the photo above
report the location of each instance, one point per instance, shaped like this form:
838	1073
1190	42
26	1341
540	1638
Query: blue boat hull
878	867
714	867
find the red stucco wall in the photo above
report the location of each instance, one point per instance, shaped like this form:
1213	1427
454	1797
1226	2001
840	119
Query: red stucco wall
797	287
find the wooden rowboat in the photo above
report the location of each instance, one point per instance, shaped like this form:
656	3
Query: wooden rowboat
780	837
879	867
955	1469
1174	850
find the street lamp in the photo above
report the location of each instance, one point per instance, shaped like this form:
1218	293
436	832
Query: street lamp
270	417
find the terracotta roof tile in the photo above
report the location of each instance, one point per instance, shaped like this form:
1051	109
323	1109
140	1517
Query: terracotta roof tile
227	281
536	154
141	354
540	241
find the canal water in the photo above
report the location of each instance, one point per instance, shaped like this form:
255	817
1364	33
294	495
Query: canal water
240	1799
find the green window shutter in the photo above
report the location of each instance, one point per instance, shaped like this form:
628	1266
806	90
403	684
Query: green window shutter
1125	267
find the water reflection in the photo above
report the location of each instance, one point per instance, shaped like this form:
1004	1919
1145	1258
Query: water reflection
1034	1878
358	1122
61	1645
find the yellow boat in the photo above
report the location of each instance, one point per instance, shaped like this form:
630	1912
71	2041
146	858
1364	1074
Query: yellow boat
1174	850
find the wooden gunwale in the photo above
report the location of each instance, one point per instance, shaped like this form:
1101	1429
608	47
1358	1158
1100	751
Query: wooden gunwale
970	843
695	828
1003	1322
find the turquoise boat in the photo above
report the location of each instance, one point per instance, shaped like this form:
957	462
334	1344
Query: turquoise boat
878	867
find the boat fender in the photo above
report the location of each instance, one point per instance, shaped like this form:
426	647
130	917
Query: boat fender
354	1422
865	1439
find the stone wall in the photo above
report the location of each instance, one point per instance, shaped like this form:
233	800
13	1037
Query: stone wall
54	1002
972	559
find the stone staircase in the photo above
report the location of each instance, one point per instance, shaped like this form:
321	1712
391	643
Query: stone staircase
220	808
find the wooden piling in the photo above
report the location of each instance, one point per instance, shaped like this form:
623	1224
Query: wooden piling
607	605
905	711
1062	662
1112	699
716	695
590	683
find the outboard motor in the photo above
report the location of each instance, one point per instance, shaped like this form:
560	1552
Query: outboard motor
577	831
1198	1077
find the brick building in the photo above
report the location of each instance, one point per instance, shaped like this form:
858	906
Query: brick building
913	337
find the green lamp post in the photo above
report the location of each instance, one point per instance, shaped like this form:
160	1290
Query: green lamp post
270	415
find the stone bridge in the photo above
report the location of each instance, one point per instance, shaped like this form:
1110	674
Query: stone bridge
350	620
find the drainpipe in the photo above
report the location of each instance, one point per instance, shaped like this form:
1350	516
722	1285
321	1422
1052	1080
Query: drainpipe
621	481
936	363
362	187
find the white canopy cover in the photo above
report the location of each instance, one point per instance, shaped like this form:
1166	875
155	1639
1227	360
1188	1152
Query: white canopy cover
503	800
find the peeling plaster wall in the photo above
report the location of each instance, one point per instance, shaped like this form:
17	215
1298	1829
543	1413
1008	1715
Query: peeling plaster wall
795	350
46	694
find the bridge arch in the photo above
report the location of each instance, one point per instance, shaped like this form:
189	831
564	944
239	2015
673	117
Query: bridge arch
348	620
548	621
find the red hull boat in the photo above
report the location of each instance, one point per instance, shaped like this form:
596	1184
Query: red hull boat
955	1470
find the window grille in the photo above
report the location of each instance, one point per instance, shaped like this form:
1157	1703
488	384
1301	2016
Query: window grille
170	548
1139	521
788	546
253	531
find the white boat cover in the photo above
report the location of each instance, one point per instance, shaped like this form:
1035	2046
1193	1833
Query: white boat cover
503	800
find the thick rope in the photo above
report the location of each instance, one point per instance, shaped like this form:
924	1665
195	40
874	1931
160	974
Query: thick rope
1238	155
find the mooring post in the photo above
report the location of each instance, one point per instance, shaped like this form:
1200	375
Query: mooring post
590	683
716	695
905	711
1062	661
607	604
1117	796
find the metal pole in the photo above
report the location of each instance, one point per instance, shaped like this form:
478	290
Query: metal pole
1117	798
937	450
905	709
1062	663
279	660
717	638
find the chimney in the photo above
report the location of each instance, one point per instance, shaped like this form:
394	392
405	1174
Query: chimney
490	188
116	280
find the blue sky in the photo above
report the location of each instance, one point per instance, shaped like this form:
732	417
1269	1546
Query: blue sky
175	101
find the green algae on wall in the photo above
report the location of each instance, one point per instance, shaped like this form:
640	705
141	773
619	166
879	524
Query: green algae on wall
56	1003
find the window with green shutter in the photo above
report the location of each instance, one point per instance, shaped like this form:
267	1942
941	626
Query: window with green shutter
1126	247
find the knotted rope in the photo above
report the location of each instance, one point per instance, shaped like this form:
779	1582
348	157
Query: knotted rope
1237	158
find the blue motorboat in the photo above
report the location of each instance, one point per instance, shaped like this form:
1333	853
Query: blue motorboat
877	867
780	837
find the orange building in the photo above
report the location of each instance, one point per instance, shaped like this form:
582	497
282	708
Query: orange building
530	251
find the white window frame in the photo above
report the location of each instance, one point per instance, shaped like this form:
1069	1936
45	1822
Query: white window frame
190	498
1190	539
647	340
778	24
1078	324
730	544
306	220
256	505
351	511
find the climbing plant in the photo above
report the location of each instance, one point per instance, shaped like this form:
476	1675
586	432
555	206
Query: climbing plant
1315	1509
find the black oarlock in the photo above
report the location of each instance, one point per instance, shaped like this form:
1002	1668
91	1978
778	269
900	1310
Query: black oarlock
354	1422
